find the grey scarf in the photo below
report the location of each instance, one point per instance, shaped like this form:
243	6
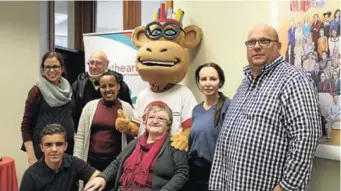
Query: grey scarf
55	96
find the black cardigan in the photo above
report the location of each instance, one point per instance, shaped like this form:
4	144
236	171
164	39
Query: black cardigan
170	172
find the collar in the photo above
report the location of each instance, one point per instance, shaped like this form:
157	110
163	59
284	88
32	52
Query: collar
265	68
109	104
65	164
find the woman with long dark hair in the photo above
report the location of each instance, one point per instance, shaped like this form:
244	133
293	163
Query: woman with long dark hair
207	118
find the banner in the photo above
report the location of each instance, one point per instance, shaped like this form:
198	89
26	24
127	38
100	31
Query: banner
121	54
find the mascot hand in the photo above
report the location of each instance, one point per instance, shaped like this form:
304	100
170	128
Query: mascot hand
124	125
122	122
180	141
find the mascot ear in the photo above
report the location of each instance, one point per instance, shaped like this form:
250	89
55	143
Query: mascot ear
193	35
139	37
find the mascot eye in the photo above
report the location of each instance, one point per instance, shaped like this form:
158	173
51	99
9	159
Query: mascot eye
170	32
155	32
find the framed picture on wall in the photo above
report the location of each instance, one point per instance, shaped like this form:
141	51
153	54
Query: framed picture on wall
310	34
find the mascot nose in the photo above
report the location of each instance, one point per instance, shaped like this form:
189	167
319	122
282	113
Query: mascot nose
160	50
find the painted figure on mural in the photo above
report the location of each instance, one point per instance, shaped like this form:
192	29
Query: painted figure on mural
335	23
315	28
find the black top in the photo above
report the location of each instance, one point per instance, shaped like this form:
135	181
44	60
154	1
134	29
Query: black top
39	177
47	115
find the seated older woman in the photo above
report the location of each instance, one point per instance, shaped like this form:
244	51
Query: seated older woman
148	163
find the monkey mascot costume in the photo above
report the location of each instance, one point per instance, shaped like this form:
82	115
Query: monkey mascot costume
162	60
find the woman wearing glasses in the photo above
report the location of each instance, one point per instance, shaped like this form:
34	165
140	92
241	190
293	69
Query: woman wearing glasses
149	162
49	101
207	119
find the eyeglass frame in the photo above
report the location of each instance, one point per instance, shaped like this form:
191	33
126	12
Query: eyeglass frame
177	30
158	119
95	63
54	67
260	44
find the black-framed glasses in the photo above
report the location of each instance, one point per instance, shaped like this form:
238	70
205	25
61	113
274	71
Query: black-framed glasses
54	67
262	42
168	30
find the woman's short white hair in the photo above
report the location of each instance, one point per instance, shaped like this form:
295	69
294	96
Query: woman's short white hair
161	107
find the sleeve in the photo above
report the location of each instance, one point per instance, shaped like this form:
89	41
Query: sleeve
128	110
125	93
83	170
78	150
110	172
223	111
27	182
302	121
181	171
188	104
78	106
28	118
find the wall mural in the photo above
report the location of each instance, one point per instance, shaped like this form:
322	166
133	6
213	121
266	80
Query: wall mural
310	34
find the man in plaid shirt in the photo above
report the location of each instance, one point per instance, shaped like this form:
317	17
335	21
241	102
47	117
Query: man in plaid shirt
272	127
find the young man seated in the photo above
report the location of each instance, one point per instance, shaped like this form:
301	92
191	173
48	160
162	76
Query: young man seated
56	171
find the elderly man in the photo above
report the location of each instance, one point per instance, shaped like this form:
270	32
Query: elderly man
272	128
86	87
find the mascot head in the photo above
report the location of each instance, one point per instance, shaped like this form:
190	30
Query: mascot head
163	44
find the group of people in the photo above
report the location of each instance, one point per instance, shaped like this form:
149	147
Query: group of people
315	47
262	139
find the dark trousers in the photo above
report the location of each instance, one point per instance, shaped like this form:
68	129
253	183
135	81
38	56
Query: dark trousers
101	166
198	178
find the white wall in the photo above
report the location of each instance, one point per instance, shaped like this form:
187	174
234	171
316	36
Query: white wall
23	40
225	26
110	14
62	23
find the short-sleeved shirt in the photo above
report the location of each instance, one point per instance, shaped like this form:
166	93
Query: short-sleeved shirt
39	177
179	98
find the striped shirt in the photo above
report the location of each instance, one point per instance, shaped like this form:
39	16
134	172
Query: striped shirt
270	132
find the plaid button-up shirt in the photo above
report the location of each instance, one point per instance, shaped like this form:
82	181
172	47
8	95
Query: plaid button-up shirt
270	132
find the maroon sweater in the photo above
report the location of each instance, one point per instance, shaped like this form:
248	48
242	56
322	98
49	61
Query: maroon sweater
31	104
105	140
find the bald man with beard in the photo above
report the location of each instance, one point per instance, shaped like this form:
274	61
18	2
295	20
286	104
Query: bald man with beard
272	127
86	87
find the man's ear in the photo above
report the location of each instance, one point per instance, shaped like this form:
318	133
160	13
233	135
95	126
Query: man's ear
193	35
139	37
279	45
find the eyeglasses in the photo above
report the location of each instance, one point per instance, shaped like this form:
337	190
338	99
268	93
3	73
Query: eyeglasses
58	144
156	30
158	119
262	42
54	67
94	63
